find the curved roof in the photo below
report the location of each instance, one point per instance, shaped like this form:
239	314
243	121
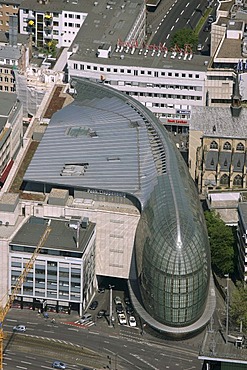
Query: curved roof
108	141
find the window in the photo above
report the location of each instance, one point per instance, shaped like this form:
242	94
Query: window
227	146
75	66
88	67
197	76
128	70
169	74
71	25
95	68
115	70
55	32
121	70
71	15
149	73
190	75
65	15
78	16
238	181
142	72
6	79
224	180
55	23
183	75
65	24
6	88
176	74
214	145
55	15
77	25
240	147
101	69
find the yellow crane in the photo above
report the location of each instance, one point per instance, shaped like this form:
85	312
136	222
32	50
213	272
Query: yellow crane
4	310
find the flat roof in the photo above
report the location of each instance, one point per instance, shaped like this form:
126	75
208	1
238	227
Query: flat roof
7	101
230	49
56	6
61	237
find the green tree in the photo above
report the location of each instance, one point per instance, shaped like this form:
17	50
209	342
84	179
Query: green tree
221	240
238	305
185	36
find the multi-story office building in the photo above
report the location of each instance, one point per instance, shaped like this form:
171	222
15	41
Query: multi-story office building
11	131
169	84
63	274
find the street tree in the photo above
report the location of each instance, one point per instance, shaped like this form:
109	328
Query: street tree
238	305
221	240
185	36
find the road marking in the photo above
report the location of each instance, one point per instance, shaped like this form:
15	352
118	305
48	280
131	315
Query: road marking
32	323
12	320
94	332
192	13
177	20
73	329
188	21
187	5
182	12
105	341
113	336
21	367
172	28
167	37
25	362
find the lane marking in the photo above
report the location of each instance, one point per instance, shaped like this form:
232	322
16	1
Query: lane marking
172	28
177	20
182	12
187	5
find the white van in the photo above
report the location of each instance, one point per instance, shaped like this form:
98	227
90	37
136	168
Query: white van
86	318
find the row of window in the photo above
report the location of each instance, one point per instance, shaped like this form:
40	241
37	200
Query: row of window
7	88
7	5
56	15
166	96
227	146
7	79
134	72
7	61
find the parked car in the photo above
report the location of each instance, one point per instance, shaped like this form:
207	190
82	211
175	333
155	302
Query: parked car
132	321
86	318
93	305
199	47
117	300
101	314
122	319
19	328
210	19
119	308
127	300
58	365
101	290
206	28
129	309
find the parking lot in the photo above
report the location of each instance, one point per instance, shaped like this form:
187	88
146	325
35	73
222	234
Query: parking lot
98	310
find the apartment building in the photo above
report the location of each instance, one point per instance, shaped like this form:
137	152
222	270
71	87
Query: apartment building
52	21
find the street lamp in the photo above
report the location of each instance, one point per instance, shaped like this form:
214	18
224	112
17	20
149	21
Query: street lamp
111	316
227	306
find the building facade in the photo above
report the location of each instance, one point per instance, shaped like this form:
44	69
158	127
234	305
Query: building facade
7	8
242	240
63	274
11	129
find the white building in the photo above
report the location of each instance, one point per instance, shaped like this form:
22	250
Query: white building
50	20
63	274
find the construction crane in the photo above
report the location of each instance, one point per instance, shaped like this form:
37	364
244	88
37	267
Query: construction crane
4	310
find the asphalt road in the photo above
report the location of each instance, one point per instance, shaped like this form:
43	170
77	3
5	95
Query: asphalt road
173	15
119	348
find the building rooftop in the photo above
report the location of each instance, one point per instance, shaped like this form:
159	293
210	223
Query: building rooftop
79	6
10	52
61	236
230	48
7	101
218	122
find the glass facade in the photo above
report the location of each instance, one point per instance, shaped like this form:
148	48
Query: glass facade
172	250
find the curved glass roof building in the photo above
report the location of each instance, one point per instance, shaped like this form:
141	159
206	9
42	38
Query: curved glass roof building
118	145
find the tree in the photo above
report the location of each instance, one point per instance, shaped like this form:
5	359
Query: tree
238	305
221	238
184	37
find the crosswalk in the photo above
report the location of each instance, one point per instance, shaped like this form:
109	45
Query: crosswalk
78	324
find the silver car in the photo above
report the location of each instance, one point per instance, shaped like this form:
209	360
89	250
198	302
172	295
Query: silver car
19	328
58	365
